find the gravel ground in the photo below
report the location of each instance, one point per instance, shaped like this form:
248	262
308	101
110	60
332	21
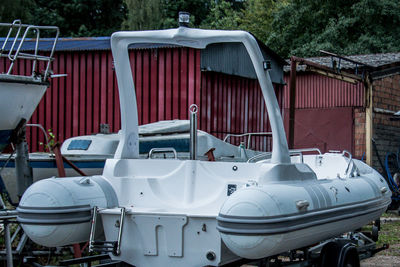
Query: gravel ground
381	261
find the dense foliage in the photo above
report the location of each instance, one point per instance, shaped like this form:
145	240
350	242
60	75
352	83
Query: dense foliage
16	9
290	27
162	14
74	17
303	27
81	17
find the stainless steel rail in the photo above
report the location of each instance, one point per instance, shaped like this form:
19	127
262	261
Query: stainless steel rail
193	109
163	150
16	42
350	157
106	246
249	136
293	152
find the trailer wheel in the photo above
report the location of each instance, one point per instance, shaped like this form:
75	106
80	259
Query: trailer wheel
375	233
339	254
377	223
348	256
329	255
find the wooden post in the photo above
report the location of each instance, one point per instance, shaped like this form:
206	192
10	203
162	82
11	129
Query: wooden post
368	120
292	101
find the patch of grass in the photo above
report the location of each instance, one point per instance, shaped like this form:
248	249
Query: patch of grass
390	214
390	234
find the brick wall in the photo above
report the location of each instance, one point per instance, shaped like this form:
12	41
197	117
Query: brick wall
386	96
359	132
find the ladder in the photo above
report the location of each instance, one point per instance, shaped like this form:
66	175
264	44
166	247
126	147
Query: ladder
105	246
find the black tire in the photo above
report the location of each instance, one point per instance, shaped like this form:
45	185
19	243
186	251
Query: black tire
377	223
375	233
329	255
348	256
339	254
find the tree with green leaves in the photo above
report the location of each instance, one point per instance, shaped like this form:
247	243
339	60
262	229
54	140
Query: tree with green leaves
74	17
257	17
254	16
198	10
163	14
224	15
143	15
81	17
11	10
303	27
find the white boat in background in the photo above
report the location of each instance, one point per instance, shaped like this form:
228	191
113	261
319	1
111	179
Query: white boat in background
90	152
192	212
20	94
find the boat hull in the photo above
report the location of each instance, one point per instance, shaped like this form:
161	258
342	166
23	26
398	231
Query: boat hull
270	228
335	206
19	99
156	241
213	213
168	240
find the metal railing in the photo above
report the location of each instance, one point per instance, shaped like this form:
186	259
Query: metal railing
16	42
293	152
163	150
350	157
249	136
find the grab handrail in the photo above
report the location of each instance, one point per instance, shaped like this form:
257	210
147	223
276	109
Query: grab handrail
350	157
163	150
293	152
313	149
14	52
249	136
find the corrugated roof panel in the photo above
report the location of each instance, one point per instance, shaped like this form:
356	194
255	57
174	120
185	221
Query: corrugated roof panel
63	44
374	60
77	44
218	58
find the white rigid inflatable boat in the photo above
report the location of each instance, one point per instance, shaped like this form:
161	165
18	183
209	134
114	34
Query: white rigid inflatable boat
172	212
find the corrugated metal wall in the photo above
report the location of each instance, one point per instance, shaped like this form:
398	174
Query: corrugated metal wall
230	104
324	116
77	104
318	91
167	81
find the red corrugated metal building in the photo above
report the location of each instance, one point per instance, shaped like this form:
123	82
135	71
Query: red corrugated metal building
331	114
325	111
167	80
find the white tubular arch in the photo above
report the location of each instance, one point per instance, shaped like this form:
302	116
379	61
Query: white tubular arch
194	38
